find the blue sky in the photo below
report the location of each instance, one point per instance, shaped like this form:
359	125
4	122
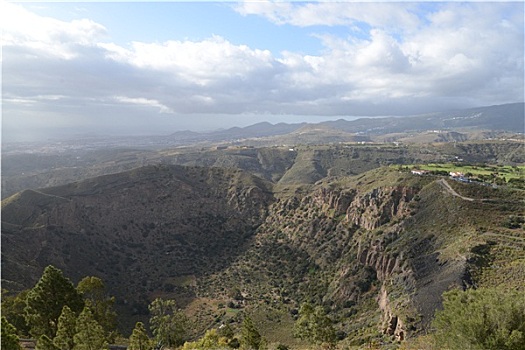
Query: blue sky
130	68
195	21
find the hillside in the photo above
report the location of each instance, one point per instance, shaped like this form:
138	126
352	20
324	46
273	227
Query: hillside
142	231
284	164
375	249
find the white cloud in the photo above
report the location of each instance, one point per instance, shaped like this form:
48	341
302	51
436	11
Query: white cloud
141	101
303	14
46	35
201	62
410	61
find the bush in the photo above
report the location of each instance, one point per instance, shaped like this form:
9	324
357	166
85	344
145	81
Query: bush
481	319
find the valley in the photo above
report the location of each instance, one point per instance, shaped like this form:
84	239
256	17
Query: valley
230	230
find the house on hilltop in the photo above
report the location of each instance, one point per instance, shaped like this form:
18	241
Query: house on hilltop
456	174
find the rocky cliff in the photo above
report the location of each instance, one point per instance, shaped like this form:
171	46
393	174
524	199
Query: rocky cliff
375	250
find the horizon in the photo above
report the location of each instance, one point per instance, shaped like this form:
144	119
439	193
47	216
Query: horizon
94	135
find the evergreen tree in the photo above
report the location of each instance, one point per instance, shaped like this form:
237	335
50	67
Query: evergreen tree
93	290
13	310
481	319
211	341
324	331
314	325
45	343
9	338
45	302
168	324
250	336
139	339
303	327
89	334
66	331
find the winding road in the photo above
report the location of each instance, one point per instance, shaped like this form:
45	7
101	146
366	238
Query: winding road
450	190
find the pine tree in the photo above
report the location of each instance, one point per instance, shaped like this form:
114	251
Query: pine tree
93	290
45	302
250	336
89	334
45	343
485	318
13	310
303	327
314	325
211	341
168	324
9	338
139	339
64	339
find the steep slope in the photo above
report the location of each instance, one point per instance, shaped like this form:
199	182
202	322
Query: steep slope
376	250
146	232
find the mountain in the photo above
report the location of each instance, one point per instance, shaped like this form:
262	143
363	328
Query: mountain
375	249
141	230
508	117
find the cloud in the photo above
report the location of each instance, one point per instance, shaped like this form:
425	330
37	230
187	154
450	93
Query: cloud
202	63
375	14
413	60
144	102
44	35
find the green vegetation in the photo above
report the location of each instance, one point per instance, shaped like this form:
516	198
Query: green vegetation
489	319
139	339
339	249
75	328
314	325
93	290
9	337
13	309
212	340
168	324
250	336
44	303
67	328
89	334
482	172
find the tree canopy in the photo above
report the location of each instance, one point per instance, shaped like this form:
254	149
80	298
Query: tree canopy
13	309
9	338
250	336
93	290
481	319
168	324
45	302
89	334
66	330
314	325
139	339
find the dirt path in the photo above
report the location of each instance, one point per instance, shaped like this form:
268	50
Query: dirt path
450	190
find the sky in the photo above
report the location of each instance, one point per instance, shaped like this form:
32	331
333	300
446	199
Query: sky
130	68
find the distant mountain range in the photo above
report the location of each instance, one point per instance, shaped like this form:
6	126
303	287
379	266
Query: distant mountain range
508	118
482	123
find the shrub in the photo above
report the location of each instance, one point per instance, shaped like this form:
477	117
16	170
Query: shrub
481	319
